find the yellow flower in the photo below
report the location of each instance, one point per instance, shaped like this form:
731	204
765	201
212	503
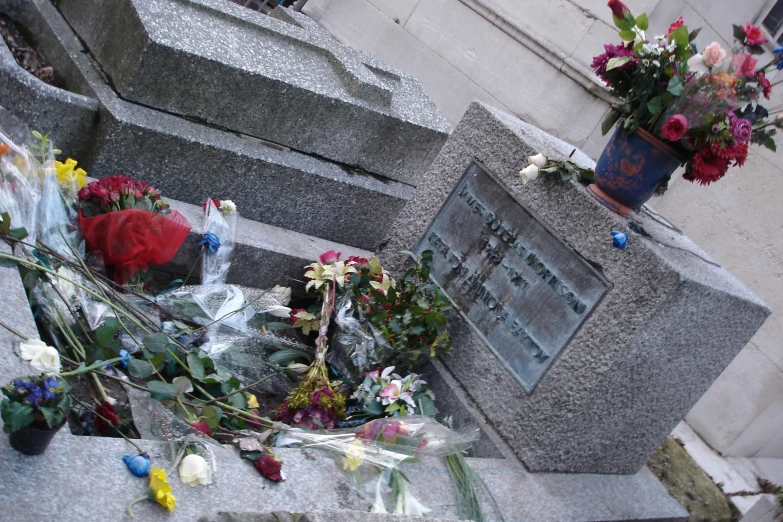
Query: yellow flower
354	456
386	283
159	487
252	401
67	176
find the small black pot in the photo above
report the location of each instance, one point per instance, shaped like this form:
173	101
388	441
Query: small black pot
33	439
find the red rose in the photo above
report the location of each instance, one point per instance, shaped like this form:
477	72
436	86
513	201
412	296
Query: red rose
766	87
215	202
617	8
103	413
358	260
678	23
329	257
753	35
269	467
203	427
675	127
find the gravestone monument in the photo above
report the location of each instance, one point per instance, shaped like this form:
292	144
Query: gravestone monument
581	356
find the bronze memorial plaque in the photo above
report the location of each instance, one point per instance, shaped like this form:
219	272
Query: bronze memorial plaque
524	290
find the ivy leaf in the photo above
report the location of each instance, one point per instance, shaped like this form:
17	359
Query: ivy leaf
139	368
161	391
156	343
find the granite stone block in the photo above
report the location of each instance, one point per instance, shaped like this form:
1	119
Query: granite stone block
68	117
669	324
280	78
192	162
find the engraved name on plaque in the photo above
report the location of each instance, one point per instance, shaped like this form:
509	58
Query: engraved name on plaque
523	290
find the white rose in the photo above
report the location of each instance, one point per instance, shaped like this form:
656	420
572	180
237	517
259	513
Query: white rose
539	160
227	206
280	311
47	360
30	348
66	287
529	173
194	471
696	64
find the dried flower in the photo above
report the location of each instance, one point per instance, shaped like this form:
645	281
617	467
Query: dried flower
269	467
105	417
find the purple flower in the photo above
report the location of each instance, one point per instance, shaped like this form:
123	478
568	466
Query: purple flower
612	51
741	129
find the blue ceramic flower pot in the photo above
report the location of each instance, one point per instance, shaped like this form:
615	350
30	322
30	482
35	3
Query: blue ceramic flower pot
630	169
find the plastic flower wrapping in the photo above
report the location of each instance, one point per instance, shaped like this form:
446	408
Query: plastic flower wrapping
220	224
706	104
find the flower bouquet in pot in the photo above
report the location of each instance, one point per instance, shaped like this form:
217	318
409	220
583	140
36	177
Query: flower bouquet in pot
130	225
678	107
33	411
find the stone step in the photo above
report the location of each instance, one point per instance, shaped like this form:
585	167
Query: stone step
264	255
193	162
282	78
46	108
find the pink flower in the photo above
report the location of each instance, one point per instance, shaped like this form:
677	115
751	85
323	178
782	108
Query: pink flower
713	55
744	65
390	430
675	127
329	257
753	35
391	392
356	260
203	427
766	86
677	23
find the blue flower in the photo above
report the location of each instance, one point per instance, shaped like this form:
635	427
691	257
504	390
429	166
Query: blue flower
50	388
125	357
211	241
36	396
620	240
778	50
22	386
138	464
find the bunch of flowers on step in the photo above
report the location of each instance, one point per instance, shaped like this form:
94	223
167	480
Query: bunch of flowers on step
704	104
319	402
130	225
385	393
219	230
382	322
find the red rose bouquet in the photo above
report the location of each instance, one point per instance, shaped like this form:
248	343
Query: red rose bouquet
130	225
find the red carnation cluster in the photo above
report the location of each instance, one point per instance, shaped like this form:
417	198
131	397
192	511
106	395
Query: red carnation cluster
119	193
711	163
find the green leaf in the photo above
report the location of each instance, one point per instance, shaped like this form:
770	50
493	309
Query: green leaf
161	390
211	415
426	406
104	336
769	142
94	353
183	385
15	415
139	368
237	401
609	121
681	37
156	342
53	415
693	34
622	23
642	22
675	86
628	36
738	33
196	366
285	357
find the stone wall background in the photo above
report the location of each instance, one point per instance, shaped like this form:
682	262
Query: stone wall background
531	58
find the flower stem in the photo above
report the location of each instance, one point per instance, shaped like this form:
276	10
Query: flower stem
94	366
23	337
107	421
133	503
